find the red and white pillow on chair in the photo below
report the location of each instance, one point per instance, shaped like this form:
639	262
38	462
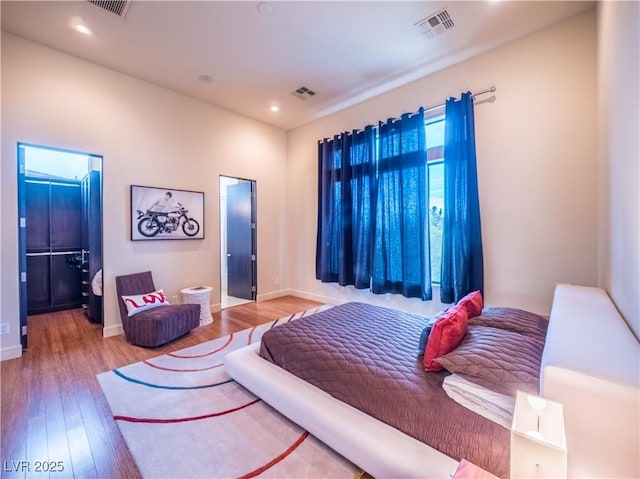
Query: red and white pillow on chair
142	302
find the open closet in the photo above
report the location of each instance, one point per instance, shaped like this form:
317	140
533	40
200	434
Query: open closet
61	231
54	245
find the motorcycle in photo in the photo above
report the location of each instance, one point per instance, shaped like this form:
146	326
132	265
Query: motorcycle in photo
150	223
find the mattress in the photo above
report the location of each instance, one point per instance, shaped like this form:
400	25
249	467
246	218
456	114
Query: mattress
365	356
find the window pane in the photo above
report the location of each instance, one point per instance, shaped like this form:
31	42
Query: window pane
436	216
55	163
434	132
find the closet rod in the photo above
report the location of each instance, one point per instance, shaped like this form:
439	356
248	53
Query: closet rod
52	182
54	253
474	95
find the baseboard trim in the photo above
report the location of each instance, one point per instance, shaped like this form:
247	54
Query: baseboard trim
316	297
114	330
11	352
274	295
301	294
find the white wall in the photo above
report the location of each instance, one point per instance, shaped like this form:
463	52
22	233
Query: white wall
148	136
536	157
619	149
536	149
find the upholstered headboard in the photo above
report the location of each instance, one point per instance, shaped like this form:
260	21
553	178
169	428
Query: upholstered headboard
591	364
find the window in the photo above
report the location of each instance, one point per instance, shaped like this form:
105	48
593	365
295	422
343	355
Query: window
408	190
434	133
55	164
378	248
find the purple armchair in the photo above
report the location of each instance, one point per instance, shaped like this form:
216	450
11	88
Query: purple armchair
156	326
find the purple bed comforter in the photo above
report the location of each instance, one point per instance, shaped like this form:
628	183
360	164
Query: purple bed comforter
365	356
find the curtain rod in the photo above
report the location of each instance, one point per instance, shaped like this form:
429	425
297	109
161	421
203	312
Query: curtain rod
474	95
435	107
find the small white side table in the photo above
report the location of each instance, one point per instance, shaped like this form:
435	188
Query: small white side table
199	295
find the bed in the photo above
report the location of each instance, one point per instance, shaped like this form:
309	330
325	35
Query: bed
385	451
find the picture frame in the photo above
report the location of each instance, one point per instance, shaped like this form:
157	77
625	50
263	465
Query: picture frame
166	214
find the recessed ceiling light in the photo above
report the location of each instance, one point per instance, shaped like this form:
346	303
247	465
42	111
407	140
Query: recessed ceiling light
77	23
274	108
83	29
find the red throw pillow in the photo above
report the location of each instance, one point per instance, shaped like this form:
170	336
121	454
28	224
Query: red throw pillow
473	304
446	335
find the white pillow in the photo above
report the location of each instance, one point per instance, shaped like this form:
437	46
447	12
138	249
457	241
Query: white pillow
490	404
142	302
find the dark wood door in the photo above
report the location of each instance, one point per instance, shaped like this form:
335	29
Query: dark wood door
239	241
38	282
37	216
92	241
53	212
66	217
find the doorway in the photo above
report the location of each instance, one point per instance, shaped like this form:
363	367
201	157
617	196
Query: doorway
238	240
60	232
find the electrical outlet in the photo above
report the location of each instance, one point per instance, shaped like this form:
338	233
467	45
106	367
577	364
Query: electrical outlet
4	329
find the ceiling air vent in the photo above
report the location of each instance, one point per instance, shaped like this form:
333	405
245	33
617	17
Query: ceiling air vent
118	8
435	24
303	93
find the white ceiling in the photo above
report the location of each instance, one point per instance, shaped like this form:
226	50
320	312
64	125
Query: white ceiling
344	51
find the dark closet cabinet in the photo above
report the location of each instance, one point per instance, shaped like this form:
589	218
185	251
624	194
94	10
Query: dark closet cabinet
92	244
54	245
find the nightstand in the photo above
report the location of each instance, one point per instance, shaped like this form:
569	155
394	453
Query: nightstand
467	470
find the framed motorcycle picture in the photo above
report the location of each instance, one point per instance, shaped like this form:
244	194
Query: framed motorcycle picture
166	214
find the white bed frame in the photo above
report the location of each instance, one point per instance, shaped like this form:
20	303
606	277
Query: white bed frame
378	448
590	364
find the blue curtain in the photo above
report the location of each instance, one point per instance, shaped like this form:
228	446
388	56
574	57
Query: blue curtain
346	170
462	263
401	236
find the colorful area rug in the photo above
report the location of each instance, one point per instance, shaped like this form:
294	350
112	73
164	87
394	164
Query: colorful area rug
182	416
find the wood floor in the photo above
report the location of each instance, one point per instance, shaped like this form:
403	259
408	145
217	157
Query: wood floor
53	413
